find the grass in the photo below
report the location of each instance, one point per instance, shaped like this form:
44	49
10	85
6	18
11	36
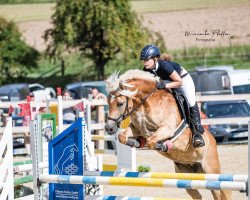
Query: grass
25	1
27	12
43	11
78	68
237	56
147	6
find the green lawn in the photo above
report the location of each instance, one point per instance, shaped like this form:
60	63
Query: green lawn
27	12
42	11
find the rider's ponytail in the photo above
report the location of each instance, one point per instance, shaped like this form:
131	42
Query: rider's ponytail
166	57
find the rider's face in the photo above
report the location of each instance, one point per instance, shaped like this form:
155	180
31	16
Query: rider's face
149	63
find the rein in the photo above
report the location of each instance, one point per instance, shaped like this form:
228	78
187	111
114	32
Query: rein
126	112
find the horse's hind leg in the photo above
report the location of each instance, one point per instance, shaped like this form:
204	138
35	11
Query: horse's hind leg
211	165
181	168
221	194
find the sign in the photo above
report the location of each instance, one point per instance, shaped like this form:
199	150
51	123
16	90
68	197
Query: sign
66	158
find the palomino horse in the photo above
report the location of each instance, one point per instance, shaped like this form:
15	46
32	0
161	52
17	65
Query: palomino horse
155	116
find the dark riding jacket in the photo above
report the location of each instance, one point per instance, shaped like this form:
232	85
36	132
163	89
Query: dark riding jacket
165	69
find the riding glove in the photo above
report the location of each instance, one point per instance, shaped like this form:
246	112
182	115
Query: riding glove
162	84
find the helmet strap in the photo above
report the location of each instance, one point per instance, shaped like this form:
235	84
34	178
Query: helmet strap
155	61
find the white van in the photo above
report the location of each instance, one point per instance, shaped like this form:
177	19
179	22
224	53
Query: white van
239	80
221	80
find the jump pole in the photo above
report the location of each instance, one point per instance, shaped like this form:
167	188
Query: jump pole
164	175
145	182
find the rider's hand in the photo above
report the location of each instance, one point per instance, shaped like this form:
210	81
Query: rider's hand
161	85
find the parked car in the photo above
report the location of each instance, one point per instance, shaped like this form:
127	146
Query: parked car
36	88
227	109
81	89
19	91
14	92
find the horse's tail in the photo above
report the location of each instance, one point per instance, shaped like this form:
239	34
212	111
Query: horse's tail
226	195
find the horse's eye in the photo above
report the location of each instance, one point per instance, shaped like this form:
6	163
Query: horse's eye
120	104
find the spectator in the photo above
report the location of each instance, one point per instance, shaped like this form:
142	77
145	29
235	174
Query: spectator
95	94
69	115
67	95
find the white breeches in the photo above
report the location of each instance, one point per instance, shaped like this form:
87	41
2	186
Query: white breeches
188	89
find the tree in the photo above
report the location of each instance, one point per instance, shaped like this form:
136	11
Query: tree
99	29
16	58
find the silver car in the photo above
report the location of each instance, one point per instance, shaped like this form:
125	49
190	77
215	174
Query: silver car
227	109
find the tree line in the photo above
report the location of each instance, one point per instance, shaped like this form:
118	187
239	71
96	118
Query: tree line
99	30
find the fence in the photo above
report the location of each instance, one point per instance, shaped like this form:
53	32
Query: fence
6	157
100	113
96	125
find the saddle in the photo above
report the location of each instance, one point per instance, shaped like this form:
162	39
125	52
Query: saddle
183	105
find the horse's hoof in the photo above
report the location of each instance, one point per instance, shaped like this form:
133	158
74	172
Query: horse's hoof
133	143
159	146
164	148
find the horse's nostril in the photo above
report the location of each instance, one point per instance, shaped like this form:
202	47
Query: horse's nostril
111	130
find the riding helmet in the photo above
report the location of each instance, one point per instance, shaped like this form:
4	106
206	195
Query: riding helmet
150	51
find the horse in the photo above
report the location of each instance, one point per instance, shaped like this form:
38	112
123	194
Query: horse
154	116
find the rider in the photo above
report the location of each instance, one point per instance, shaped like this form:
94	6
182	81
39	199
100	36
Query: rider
174	76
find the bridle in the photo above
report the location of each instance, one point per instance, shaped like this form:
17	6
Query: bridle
126	112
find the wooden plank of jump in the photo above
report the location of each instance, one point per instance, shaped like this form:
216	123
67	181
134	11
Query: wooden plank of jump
224	97
232	120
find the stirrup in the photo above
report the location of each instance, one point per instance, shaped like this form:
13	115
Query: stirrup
198	141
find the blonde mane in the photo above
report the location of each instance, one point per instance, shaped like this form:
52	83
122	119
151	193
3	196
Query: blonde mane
137	74
114	79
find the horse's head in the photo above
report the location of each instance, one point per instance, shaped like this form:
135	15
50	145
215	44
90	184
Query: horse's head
121	91
120	104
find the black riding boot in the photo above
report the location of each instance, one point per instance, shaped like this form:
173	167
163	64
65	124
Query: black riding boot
196	127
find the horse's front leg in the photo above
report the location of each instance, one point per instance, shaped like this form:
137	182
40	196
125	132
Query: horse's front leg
155	141
123	136
129	137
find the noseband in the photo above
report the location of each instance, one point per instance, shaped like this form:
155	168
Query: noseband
126	112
